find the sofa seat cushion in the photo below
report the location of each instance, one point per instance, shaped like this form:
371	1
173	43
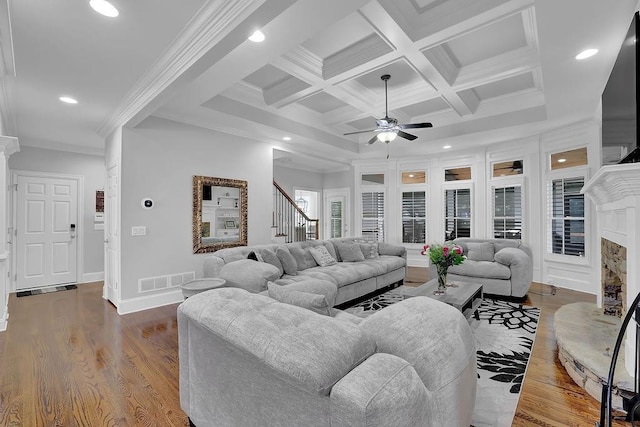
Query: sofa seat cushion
385	264
484	269
315	302
310	351
345	273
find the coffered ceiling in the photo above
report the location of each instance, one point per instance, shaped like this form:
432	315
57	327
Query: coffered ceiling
482	71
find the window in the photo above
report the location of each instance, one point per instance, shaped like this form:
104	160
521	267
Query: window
507	212
413	217
337	215
418	177
457	222
373	216
510	168
569	159
566	208
457	174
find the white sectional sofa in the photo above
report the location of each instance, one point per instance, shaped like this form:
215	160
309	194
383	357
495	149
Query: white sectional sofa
360	268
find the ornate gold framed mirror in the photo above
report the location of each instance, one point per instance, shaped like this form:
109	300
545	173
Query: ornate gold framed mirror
219	213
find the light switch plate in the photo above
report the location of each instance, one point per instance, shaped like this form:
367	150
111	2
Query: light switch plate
139	230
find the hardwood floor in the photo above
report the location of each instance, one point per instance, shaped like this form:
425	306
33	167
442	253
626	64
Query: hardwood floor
68	359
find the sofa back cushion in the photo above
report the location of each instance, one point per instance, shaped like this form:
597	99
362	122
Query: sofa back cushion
248	274
309	351
289	264
349	252
369	250
480	251
303	257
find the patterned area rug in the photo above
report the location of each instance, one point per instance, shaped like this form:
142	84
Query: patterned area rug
45	290
504	338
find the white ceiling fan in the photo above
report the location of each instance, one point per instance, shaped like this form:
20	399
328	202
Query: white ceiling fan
388	128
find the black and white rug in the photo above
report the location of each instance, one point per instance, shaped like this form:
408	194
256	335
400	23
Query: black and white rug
504	338
47	290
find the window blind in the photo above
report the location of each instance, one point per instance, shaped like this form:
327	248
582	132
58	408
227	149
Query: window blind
335	227
414	217
565	205
507	212
373	216
457	222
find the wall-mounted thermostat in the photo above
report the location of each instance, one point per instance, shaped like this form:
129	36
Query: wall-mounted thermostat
147	203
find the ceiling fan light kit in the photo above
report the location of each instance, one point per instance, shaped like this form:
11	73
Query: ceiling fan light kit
388	128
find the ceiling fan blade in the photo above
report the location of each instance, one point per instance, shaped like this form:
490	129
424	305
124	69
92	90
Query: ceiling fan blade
372	140
360	131
406	135
416	125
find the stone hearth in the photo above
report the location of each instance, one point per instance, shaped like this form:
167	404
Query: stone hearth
586	338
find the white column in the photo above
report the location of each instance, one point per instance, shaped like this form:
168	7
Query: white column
8	146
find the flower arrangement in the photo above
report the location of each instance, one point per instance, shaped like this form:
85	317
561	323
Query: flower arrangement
443	256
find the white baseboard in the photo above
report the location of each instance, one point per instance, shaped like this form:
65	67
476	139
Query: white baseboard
93	277
150	301
4	320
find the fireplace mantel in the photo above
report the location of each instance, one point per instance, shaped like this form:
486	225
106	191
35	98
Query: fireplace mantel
613	184
615	190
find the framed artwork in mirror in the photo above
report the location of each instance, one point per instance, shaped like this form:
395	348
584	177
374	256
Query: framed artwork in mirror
219	203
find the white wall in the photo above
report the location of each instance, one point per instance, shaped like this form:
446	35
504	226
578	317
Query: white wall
291	179
159	160
92	169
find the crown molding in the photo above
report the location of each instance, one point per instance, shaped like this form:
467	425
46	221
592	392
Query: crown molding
207	27
8	145
284	92
305	59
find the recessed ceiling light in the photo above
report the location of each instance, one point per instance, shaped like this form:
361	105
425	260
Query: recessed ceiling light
411	175
68	100
446	147
286	138
257	36
103	7
562	160
587	53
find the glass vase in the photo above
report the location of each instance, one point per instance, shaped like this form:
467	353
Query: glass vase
442	280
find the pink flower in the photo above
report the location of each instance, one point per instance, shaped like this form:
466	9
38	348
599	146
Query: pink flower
445	251
458	250
425	248
423	252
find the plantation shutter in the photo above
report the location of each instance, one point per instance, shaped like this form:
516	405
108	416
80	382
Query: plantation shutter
566	211
336	219
457	222
413	217
507	212
373	216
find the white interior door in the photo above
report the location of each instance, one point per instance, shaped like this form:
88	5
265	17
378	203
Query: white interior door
112	237
46	231
336	213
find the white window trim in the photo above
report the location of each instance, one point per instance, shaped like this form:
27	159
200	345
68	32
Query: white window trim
382	188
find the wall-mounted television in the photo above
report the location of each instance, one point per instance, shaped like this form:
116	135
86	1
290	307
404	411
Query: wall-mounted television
620	142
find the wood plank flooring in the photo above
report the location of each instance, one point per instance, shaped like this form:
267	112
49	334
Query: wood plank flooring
68	359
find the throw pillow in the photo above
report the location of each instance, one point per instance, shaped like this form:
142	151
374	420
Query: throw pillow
289	263
254	256
270	257
322	256
480	251
369	250
303	258
350	252
248	274
313	302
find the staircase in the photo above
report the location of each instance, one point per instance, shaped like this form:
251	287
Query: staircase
289	222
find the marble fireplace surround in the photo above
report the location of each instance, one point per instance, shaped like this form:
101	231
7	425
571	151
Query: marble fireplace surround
585	334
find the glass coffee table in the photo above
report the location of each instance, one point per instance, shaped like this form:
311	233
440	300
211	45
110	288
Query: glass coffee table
466	297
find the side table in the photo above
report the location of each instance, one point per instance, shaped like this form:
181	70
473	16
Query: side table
196	286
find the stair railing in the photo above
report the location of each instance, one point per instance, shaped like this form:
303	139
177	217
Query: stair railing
289	221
